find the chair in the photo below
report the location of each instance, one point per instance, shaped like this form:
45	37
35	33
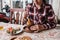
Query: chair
16	15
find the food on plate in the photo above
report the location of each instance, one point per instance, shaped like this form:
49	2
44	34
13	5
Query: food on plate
22	38
17	28
12	30
26	38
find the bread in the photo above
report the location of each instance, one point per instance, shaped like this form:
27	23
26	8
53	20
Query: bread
22	38
26	38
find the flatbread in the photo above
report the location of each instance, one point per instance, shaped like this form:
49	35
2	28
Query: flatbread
22	38
26	38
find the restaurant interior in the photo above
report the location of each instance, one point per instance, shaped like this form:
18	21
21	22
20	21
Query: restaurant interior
11	20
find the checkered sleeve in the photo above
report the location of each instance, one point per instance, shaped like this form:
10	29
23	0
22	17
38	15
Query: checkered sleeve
50	19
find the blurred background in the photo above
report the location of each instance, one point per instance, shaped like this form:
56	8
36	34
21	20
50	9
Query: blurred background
22	4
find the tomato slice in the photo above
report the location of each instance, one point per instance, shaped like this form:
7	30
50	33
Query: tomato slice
10	29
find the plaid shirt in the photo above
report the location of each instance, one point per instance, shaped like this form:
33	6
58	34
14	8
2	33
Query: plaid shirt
45	15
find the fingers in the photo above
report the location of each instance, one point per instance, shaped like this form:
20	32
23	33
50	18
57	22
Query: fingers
27	30
33	28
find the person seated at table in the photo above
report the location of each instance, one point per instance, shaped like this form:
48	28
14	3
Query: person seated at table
40	16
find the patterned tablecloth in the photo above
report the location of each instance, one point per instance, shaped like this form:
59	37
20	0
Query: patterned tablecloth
53	34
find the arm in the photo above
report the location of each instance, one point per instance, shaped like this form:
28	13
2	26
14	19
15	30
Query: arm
51	19
25	15
51	13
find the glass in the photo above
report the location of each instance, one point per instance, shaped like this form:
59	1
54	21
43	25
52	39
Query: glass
1	27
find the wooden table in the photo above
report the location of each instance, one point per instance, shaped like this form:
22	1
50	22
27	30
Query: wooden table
53	34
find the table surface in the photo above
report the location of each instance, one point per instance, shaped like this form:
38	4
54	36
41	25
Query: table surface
53	34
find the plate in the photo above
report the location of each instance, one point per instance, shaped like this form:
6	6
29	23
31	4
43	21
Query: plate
13	30
20	31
